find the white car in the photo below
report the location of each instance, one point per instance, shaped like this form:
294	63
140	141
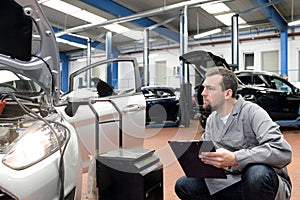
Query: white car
109	122
45	145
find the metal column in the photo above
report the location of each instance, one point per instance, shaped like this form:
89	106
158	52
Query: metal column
235	40
109	54
185	86
284	52
64	72
146	57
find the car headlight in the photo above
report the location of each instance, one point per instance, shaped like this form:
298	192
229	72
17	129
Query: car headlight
34	145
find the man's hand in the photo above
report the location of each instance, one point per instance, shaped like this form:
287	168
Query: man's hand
222	158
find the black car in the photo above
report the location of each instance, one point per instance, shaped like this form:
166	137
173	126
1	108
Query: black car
162	104
275	94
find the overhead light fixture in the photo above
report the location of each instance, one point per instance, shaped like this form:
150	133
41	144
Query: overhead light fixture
117	28
226	19
137	34
61	6
294	23
74	44
215	7
84	15
88	16
204	34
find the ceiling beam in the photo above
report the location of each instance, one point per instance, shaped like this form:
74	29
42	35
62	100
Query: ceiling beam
81	40
272	14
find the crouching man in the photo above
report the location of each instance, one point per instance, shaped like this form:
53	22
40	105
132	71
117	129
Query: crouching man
250	147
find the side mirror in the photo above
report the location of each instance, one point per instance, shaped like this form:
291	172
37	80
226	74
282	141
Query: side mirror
71	108
77	98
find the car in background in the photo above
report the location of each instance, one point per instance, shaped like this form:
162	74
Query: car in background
162	104
39	149
276	95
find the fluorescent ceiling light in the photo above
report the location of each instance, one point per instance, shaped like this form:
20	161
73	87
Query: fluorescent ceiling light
60	40
84	15
61	6
117	28
215	7
138	35
89	17
294	23
226	19
204	34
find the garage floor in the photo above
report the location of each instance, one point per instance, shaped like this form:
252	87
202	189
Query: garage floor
156	138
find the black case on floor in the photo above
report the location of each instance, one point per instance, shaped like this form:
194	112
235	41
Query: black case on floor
131	174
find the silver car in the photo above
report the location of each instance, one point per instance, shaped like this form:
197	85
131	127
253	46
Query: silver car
45	144
39	149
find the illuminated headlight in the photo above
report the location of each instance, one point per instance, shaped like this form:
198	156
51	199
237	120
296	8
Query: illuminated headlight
36	143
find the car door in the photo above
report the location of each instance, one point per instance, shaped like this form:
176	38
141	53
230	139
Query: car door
286	98
274	94
109	122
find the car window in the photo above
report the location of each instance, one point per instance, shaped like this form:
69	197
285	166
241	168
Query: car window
245	79
260	81
151	93
119	76
164	93
280	85
148	93
16	83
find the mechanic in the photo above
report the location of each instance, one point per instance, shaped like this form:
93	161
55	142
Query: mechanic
250	147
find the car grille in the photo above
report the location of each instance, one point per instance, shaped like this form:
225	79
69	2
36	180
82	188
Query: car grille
5	196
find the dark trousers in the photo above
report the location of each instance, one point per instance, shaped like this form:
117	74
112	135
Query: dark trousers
259	182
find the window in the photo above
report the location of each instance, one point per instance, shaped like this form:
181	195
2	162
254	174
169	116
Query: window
249	61
280	85
161	71
246	80
270	61
259	81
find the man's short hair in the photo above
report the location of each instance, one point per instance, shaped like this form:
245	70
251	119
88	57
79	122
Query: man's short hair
229	80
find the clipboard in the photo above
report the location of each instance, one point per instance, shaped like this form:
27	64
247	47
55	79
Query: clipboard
187	153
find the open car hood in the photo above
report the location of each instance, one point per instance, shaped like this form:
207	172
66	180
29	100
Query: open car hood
204	60
28	44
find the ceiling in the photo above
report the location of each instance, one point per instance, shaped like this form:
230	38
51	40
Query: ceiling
138	15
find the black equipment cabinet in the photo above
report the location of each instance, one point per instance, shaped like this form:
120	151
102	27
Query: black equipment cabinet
126	174
131	174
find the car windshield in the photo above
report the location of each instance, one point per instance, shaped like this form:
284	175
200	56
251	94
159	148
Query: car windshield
11	82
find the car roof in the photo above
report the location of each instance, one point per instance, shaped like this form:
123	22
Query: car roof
256	72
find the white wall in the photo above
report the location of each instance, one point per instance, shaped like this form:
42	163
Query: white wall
256	46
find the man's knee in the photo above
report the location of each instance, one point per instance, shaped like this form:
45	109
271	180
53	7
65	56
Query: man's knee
259	175
180	184
191	188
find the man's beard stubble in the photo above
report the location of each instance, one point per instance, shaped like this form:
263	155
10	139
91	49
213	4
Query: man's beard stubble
206	107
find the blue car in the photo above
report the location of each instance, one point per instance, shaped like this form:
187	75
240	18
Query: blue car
162	104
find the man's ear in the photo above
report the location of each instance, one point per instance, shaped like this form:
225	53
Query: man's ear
228	94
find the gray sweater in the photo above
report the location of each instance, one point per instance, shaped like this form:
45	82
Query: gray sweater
254	138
